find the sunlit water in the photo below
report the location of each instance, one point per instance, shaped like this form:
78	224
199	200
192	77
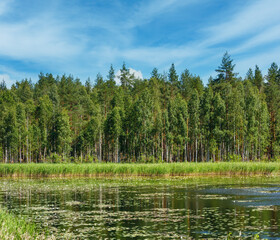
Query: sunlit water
148	209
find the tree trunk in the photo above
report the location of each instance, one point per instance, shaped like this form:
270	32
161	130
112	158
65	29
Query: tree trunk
20	153
45	151
117	151
186	152
190	151
27	143
196	149
100	146
167	154
208	154
201	150
6	157
178	153
171	153
162	148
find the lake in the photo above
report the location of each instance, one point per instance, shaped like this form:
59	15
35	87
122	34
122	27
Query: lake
177	208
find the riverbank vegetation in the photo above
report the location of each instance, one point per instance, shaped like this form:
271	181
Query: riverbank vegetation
16	227
126	169
166	118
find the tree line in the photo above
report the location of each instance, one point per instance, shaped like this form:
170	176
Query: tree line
166	118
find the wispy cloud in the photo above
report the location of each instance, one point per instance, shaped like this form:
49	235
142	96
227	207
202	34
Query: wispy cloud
262	59
246	34
7	79
160	55
5	6
270	35
254	25
35	40
147	11
10	76
85	38
252	18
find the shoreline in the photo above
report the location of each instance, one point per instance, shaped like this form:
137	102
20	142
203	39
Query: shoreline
139	170
17	227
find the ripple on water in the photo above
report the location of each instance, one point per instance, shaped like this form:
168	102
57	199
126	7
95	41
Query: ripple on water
90	209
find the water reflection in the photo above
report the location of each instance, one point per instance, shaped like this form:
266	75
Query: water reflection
180	209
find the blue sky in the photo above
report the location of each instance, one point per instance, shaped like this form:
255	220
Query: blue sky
84	37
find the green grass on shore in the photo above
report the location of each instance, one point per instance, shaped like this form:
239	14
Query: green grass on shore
16	227
157	169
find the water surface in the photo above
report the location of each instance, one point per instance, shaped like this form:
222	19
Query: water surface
148	209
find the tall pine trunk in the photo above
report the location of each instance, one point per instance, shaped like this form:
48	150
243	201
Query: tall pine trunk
162	148
100	146
196	149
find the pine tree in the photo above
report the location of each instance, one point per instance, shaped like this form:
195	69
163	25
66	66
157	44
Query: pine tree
111	77
249	75
113	130
217	126
250	141
172	75
258	79
273	100
10	135
157	118
226	70
235	119
194	123
205	116
43	116
63	134
20	124
155	74
125	77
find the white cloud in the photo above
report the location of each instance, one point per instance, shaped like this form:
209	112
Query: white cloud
137	74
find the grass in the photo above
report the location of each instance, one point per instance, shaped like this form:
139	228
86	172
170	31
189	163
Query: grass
128	169
17	228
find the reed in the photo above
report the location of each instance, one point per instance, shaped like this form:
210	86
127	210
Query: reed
16	227
133	169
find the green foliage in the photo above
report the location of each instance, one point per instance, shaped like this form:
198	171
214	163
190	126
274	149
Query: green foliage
140	169
173	77
165	117
235	158
225	70
15	227
55	158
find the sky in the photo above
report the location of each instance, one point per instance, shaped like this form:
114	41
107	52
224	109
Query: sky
83	38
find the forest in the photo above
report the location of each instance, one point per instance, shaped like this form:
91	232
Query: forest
166	118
